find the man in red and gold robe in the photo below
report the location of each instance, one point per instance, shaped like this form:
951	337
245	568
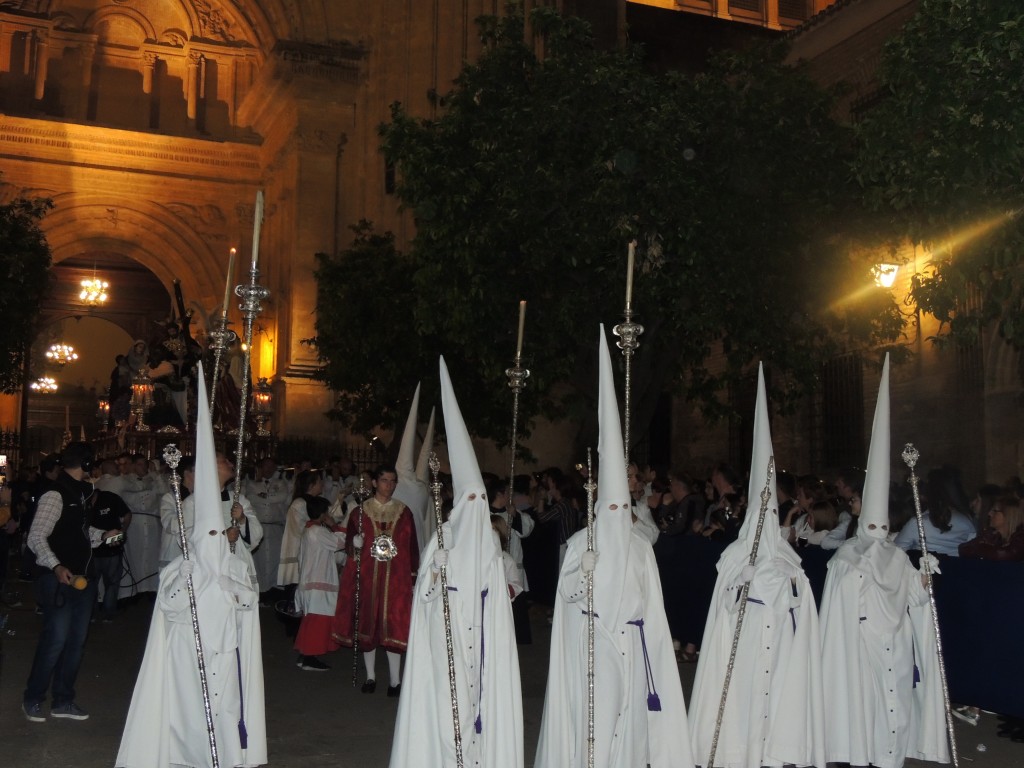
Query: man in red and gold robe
382	539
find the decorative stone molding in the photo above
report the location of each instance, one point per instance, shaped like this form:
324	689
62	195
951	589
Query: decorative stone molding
301	371
213	25
319	140
129	150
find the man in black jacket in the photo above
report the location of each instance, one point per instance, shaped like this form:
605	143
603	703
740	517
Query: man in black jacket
62	541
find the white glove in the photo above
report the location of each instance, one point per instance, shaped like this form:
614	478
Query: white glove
357	541
188	567
440	559
588	561
747	574
929	564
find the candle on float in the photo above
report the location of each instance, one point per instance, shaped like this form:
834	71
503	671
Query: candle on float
257	223
227	282
522	324
629	273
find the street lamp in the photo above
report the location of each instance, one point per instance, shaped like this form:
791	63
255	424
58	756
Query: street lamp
103	412
885	274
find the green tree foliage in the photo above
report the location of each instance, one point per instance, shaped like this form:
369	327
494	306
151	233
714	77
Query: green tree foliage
24	278
942	157
532	181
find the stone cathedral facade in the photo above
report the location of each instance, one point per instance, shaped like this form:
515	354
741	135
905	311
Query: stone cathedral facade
152	124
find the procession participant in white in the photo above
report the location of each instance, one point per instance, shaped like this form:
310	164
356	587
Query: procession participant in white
269	497
640	716
773	712
485	657
879	662
316	596
410	490
244	529
166	723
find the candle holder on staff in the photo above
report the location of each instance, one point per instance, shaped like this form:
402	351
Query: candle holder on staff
517	376
629	339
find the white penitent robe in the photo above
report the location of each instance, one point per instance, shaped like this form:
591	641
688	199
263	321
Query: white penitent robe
639	712
294	525
317	591
773	713
166	723
486	668
882	687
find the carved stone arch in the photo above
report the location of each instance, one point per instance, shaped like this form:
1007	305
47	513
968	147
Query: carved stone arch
173	36
100	15
144	232
65	21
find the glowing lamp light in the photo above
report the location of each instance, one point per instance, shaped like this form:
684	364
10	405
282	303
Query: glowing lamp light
44	385
262	406
885	274
94	292
61	354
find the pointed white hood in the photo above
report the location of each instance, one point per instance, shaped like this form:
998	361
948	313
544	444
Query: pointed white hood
472	544
614	525
423	462
207	550
423	477
410	491
761	455
875	499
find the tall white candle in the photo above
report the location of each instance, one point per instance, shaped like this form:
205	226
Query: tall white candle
257	223
629	273
522	324
227	282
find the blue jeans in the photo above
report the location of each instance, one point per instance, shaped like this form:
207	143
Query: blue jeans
108	570
66	614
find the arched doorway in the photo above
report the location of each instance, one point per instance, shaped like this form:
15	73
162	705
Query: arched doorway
137	305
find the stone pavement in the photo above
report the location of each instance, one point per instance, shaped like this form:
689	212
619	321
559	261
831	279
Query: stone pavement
313	719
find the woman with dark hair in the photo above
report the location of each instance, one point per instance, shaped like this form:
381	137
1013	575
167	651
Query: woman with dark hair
946	523
295	523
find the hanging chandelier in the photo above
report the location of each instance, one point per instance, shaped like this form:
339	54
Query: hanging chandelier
94	292
61	354
44	385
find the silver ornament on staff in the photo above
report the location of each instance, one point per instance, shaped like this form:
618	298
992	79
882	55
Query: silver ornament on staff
591	487
910	456
435	487
629	339
766	495
252	296
362	494
517	376
220	340
173	456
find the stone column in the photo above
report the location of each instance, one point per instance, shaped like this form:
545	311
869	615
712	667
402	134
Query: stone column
148	68
192	84
88	54
42	65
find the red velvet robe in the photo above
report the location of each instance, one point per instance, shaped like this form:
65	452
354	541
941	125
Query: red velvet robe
385	597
